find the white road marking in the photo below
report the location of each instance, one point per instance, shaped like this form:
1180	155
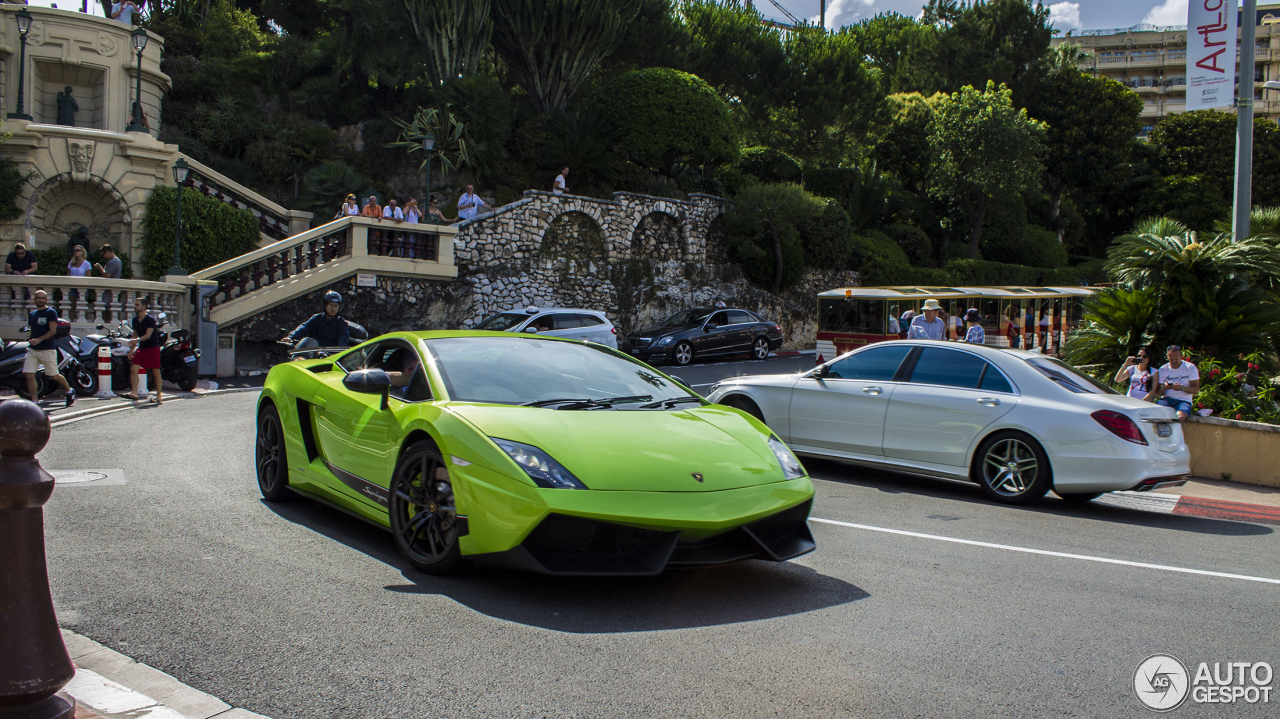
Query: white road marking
1047	553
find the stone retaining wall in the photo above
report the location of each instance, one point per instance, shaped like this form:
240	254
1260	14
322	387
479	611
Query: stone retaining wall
1246	452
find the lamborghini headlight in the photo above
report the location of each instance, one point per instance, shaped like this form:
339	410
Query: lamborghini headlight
541	468
791	467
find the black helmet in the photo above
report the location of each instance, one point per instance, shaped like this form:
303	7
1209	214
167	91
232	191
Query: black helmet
333	297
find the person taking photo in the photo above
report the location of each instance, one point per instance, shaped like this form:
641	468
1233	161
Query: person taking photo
1141	376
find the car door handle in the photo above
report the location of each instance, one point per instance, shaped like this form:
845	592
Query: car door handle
872	390
989	401
318	402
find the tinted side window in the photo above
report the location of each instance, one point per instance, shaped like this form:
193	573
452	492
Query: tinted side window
720	319
878	364
994	381
948	368
589	320
567	321
738	317
355	359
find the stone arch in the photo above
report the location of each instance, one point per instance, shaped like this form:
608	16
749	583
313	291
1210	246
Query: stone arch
574	235
717	241
659	236
61	204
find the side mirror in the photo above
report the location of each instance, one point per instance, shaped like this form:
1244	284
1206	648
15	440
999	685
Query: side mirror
369	381
709	326
101	327
25	329
531	329
820	372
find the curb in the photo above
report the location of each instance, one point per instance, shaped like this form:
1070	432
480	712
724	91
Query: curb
105	681
793	353
1189	506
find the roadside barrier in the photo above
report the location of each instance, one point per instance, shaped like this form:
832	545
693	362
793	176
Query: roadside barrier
104	372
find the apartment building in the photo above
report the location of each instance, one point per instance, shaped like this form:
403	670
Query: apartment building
1152	61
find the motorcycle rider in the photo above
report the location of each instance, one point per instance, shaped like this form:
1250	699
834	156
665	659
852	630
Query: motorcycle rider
41	350
324	329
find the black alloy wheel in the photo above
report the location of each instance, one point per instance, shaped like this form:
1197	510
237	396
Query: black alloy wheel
270	458
424	515
1081	496
1012	468
42	387
683	353
83	380
760	348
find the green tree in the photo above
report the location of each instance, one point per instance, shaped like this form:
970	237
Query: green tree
1202	143
824	99
552	46
764	223
454	35
1004	41
886	40
901	148
732	49
212	231
664	117
982	146
12	180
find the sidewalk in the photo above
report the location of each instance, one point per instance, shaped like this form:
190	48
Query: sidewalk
1208	498
109	685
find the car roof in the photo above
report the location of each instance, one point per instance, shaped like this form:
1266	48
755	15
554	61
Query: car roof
544	310
984	350
448	334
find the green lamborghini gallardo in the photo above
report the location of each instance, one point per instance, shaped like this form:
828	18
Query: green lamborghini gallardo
521	451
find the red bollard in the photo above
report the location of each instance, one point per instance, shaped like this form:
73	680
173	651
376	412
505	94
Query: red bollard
104	372
34	664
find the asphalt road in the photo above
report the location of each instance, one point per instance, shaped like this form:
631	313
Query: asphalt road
299	611
700	376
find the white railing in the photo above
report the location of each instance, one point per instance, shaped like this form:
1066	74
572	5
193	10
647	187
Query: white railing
87	301
415	246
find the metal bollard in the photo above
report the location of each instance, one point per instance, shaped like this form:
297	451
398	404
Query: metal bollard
104	372
34	664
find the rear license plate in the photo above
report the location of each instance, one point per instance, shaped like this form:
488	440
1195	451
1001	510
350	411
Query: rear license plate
1163	429
191	358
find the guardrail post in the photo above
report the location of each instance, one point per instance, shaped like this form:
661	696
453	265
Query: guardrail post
34	664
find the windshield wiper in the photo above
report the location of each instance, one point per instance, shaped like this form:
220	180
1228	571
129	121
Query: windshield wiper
665	403
580	403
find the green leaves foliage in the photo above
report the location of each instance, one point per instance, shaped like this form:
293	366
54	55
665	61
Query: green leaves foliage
451	148
551	46
764	224
864	192
454	35
212	231
664	117
1162	253
1114	326
12	182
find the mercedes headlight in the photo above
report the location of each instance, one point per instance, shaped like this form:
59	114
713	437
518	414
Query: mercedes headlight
666	341
791	467
541	468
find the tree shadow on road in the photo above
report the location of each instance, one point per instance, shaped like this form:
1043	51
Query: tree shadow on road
679	598
903	483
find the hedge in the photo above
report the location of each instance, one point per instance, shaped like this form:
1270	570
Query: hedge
54	261
212	231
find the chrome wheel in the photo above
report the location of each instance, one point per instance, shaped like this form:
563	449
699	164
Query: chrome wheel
1010	467
684	353
761	348
269	457
424	515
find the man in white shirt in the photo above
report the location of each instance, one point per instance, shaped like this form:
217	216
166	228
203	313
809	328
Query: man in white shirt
1179	382
558	185
469	204
928	326
391	212
124	11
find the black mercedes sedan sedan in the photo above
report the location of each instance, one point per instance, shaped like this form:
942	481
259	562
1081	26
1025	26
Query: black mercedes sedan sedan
705	332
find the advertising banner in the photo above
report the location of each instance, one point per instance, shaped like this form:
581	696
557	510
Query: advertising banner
1211	53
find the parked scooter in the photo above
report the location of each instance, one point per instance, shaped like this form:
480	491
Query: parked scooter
179	361
14	355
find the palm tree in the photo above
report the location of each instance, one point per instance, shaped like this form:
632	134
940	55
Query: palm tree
1161	252
1066	56
1116	322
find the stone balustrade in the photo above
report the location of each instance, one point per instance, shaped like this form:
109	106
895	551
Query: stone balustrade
87	301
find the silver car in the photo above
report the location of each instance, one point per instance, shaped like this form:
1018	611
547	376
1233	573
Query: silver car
1017	423
567	322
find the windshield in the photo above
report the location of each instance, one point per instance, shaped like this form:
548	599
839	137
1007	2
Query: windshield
502	322
525	370
1068	377
687	318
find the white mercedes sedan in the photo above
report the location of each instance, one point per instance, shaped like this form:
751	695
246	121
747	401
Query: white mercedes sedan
1017	423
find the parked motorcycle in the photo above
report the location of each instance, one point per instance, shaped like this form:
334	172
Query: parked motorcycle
179	361
14	355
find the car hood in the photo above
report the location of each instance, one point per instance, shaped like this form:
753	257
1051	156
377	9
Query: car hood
639	450
656	332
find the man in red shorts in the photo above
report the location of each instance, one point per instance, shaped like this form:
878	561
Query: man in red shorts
145	354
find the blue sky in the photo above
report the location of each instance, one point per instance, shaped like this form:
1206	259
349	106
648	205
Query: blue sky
1068	14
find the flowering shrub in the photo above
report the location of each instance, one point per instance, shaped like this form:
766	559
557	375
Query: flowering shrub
1244	393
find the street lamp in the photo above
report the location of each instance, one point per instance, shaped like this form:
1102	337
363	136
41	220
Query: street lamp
180	170
428	144
139	44
24	27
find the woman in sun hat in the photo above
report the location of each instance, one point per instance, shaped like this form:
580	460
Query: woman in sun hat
975	334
